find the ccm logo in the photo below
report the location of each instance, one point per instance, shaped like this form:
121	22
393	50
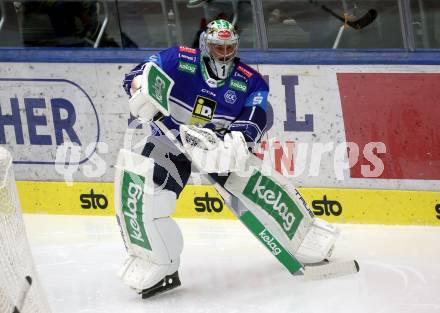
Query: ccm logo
208	204
437	209
93	201
327	207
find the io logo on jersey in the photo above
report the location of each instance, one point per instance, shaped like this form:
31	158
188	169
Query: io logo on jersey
238	85
327	207
437	209
93	200
272	198
270	241
230	97
208	204
131	196
39	115
203	111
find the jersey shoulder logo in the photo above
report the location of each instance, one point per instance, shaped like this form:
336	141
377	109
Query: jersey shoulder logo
187	50
153	58
245	71
203	111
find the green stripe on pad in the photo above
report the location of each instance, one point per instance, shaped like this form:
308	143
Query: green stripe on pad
269	241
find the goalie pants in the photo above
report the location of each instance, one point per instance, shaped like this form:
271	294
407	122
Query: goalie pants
172	168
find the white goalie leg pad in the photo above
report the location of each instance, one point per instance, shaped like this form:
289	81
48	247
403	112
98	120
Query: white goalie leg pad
276	203
318	243
153	239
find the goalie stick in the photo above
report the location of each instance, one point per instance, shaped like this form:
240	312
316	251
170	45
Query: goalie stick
159	98
314	272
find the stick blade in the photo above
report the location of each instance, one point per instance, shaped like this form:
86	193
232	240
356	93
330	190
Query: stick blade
365	20
331	270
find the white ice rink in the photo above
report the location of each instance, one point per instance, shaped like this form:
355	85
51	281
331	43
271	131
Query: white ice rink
224	269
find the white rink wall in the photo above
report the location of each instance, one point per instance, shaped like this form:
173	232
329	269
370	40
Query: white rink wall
86	103
343	132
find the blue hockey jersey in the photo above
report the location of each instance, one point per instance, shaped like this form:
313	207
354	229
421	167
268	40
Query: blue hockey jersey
237	103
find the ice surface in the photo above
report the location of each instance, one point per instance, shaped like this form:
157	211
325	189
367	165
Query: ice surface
225	269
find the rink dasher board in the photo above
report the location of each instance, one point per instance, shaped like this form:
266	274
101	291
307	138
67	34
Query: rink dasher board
366	206
309	104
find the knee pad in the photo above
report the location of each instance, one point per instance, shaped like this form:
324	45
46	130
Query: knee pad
152	238
318	243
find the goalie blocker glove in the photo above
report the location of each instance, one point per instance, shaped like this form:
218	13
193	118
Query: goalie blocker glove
211	154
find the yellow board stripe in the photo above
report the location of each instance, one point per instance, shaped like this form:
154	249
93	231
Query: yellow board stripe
81	198
62	198
399	207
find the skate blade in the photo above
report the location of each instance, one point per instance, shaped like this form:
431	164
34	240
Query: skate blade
167	283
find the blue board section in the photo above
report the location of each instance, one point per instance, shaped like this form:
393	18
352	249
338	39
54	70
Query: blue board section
250	56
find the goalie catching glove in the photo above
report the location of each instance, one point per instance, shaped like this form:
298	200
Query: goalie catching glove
150	93
211	154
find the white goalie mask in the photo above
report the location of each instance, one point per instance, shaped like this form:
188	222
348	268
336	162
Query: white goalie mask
220	45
